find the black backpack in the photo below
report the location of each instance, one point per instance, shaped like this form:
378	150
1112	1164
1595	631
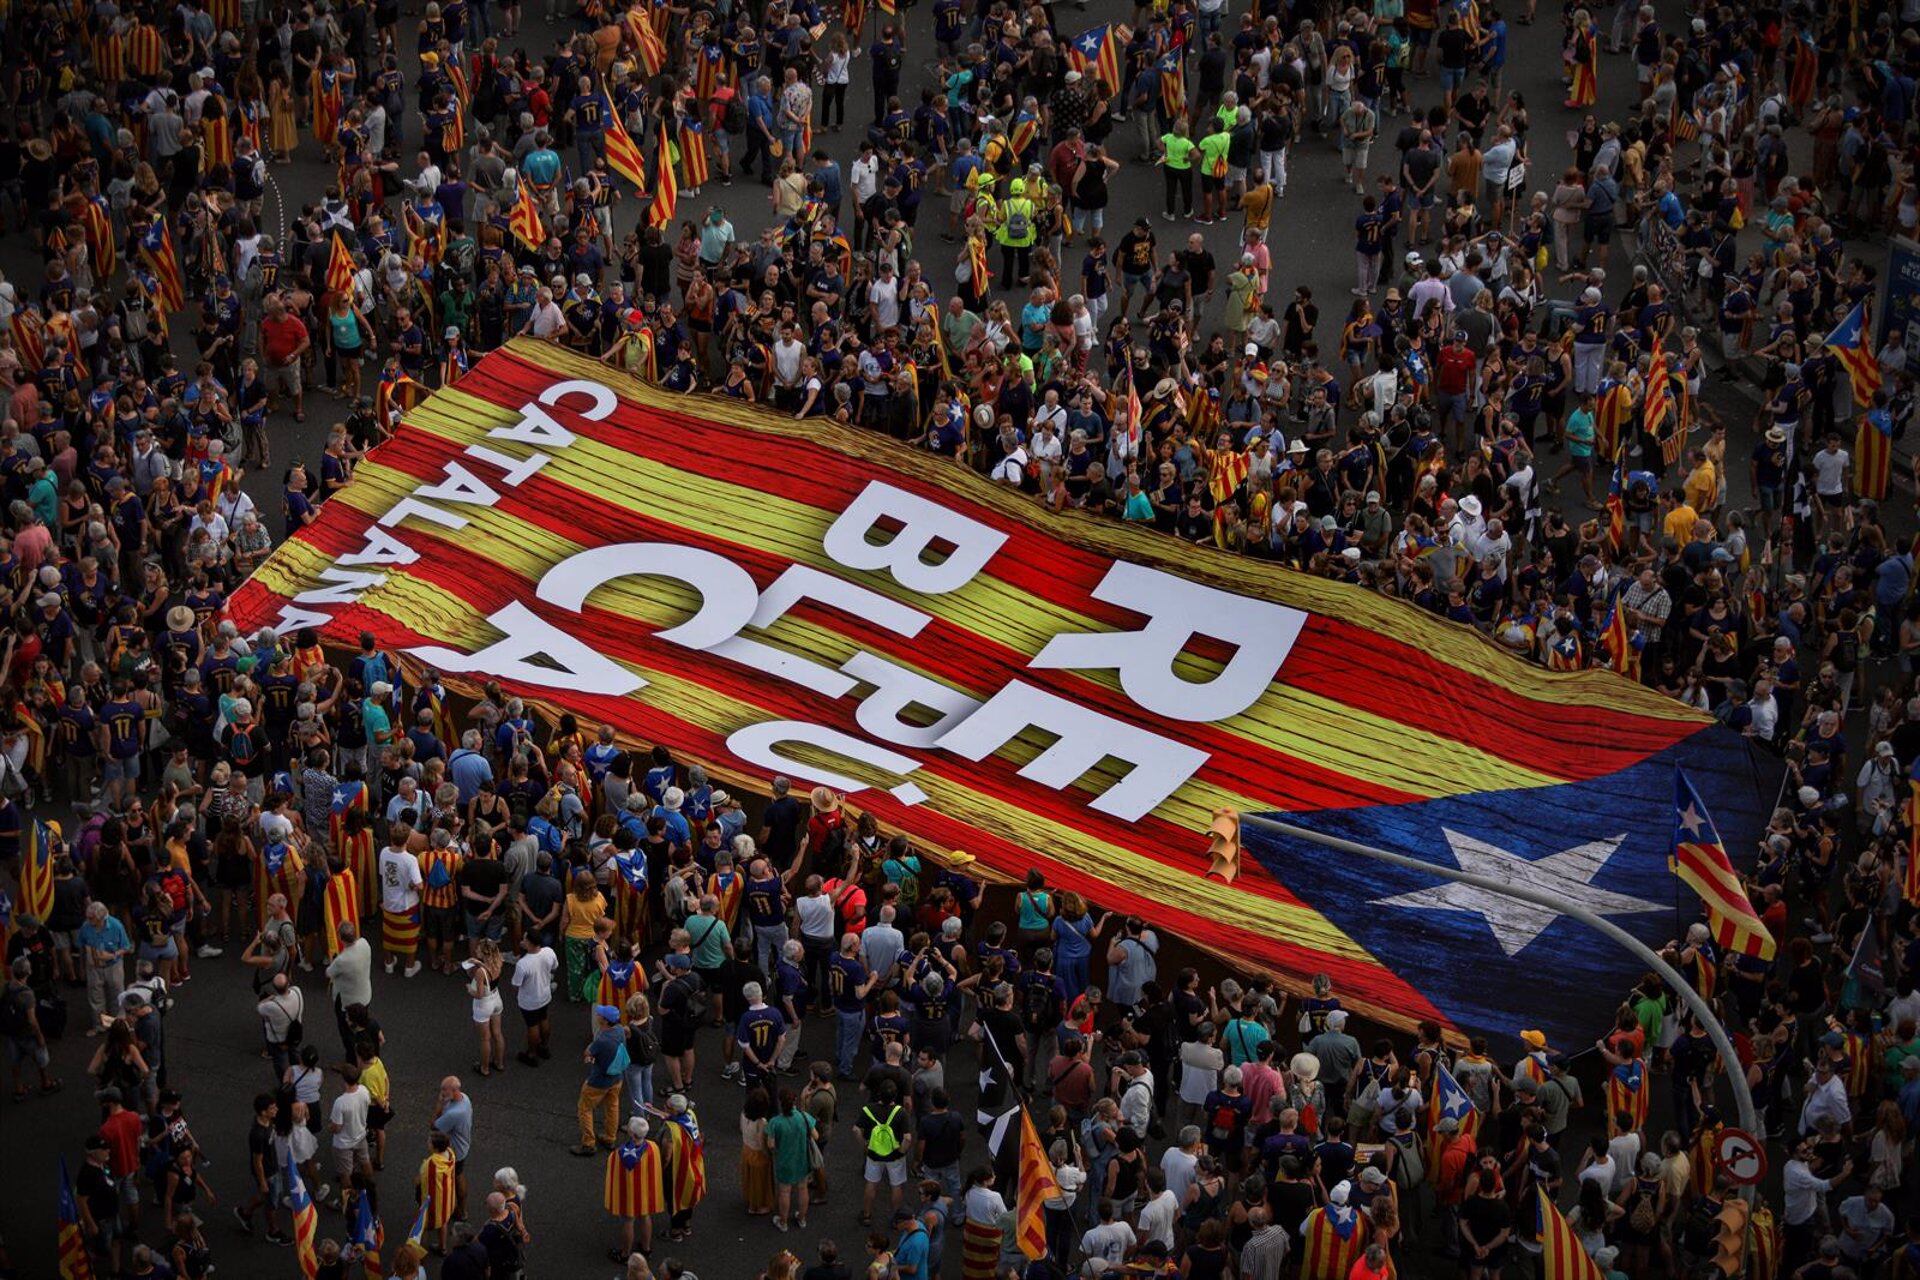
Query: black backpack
16	1009
734	115
643	1047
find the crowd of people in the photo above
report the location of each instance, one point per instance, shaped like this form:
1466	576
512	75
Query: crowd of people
1510	333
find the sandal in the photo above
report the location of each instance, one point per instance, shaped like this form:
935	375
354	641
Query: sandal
480	1070
20	1093
51	1086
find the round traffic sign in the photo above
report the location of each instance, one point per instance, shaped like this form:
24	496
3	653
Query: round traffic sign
1740	1156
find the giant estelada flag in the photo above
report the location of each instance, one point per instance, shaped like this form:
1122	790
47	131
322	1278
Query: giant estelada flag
765	595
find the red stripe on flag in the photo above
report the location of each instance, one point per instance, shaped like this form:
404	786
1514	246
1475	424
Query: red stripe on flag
1332	658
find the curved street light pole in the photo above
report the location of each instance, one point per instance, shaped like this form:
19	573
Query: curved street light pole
1736	1074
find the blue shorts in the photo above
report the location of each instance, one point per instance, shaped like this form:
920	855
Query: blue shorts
117	769
1451	78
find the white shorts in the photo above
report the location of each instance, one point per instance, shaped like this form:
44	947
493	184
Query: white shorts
892	1171
487	1007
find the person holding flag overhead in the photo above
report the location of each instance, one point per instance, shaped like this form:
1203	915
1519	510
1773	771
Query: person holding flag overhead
1629	1089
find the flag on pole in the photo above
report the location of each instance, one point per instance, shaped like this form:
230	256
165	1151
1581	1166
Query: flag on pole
1136	413
36	870
1910	882
1700	860
1565	1258
1173	85
75	1262
1037	1186
156	247
306	1222
980	274
395	396
1616	637
1617	508
1610	416
418	1227
1873	453
1448	1102
666	196
693	152
1658	403
339	266
1866	971
1849	344
995	1083
1096	52
98	225
367	1232
525	222
29	337
623	155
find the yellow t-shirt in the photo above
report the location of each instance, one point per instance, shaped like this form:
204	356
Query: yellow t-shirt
373	1078
1703	484
1256	205
582	915
1679	524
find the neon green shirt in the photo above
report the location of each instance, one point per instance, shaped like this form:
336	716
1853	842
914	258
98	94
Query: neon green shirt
1179	150
1213	154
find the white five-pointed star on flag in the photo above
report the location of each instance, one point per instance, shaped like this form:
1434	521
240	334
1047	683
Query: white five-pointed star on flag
1567	875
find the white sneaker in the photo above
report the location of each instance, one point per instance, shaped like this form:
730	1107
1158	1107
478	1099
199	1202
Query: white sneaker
410	970
207	951
390	965
729	1071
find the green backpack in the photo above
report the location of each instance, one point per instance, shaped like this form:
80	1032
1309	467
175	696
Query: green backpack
882	1141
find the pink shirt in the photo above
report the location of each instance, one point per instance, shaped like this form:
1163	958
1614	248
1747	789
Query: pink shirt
30	546
1261	1085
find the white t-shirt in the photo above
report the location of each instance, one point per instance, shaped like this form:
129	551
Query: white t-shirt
533	979
1110	1242
884	295
399	881
787	355
1602	1172
864	177
1156	1218
1623	1153
1200	1066
350	1115
1179	1167
1830	469
815	913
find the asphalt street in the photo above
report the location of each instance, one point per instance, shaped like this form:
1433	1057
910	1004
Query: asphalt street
525	1118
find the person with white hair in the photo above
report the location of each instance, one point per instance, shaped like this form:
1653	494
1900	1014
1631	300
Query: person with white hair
635	1187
